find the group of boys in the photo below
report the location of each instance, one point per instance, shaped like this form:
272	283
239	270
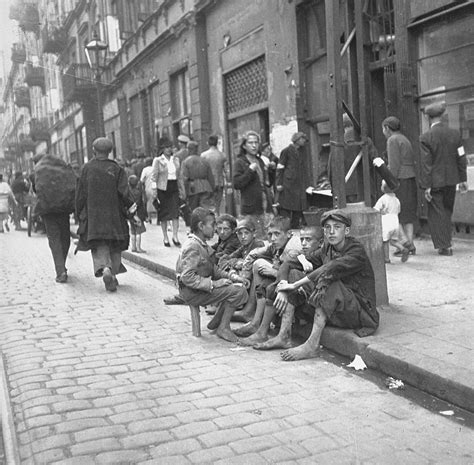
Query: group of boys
325	275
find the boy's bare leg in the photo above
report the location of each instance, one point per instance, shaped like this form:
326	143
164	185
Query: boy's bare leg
283	339
252	326
246	314
401	248
223	330
310	348
216	319
261	334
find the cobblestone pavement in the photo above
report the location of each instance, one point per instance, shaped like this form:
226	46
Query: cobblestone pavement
101	378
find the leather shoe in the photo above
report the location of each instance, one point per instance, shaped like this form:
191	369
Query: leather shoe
175	300
446	252
166	244
176	243
109	281
61	278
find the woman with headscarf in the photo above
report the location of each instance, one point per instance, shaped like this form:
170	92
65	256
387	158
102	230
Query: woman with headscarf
168	189
401	162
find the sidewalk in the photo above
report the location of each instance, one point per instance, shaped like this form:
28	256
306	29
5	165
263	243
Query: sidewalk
425	336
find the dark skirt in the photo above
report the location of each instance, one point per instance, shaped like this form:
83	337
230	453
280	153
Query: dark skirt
169	202
407	194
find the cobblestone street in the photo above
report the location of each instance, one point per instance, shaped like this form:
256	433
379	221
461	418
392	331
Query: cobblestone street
99	378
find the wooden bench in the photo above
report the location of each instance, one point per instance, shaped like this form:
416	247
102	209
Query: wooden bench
195	320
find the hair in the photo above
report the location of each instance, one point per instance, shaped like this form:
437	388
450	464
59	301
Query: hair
245	137
316	232
199	215
392	123
229	218
148	161
385	188
280	222
212	140
265	145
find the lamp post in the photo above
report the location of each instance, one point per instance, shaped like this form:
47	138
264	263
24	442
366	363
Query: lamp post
96	54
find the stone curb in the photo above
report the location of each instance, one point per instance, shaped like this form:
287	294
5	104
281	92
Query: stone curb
12	454
381	356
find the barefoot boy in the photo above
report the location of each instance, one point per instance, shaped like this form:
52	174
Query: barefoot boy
201	282
343	286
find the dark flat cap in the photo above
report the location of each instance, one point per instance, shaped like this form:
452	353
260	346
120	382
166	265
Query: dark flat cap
298	135
336	215
102	144
435	109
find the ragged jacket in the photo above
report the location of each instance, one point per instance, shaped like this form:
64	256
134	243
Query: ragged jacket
195	267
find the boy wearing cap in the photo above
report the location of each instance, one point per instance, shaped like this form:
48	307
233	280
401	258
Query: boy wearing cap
443	166
343	285
291	180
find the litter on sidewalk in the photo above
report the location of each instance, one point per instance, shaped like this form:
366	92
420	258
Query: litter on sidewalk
357	363
393	383
447	413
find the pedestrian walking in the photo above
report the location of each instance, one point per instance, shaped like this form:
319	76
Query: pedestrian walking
19	188
6	196
146	180
217	160
103	202
137	222
182	153
443	166
291	180
401	162
198	179
55	187
168	189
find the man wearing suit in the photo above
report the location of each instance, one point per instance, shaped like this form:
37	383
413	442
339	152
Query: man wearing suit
443	166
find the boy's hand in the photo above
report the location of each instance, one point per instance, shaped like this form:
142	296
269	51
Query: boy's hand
221	283
306	264
281	302
284	286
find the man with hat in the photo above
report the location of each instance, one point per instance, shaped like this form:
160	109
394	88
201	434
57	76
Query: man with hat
443	166
182	152
343	286
292	180
103	201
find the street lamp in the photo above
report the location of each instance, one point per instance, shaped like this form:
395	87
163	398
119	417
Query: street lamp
96	54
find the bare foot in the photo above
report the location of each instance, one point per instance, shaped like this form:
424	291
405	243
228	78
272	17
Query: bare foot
274	343
299	353
216	319
241	317
227	335
253	339
245	330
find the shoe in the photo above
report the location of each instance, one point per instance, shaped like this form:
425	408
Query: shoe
140	250
446	252
387	260
166	244
175	300
405	254
109	280
411	250
7	228
134	250
61	278
176	243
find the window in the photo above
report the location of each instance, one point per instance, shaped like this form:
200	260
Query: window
136	121
181	103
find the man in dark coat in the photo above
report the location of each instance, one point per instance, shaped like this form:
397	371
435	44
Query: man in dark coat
55	185
291	180
443	166
103	202
342	283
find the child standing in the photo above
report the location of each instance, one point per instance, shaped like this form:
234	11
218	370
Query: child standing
137	224
389	206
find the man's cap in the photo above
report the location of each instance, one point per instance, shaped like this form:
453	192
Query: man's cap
435	109
164	142
297	135
245	224
336	215
102	144
133	179
183	138
193	147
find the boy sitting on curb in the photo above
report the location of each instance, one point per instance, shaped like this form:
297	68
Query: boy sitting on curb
343	286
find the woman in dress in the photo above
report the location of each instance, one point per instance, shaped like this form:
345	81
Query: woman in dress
168	188
401	162
6	196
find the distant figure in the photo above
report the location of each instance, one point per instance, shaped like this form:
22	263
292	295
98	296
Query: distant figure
443	166
19	188
146	180
6	196
292	180
197	179
139	165
401	162
182	152
218	162
103	202
137	223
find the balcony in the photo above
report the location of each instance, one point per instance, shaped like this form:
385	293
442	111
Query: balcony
78	83
29	18
22	97
26	144
18	53
54	39
39	129
34	76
